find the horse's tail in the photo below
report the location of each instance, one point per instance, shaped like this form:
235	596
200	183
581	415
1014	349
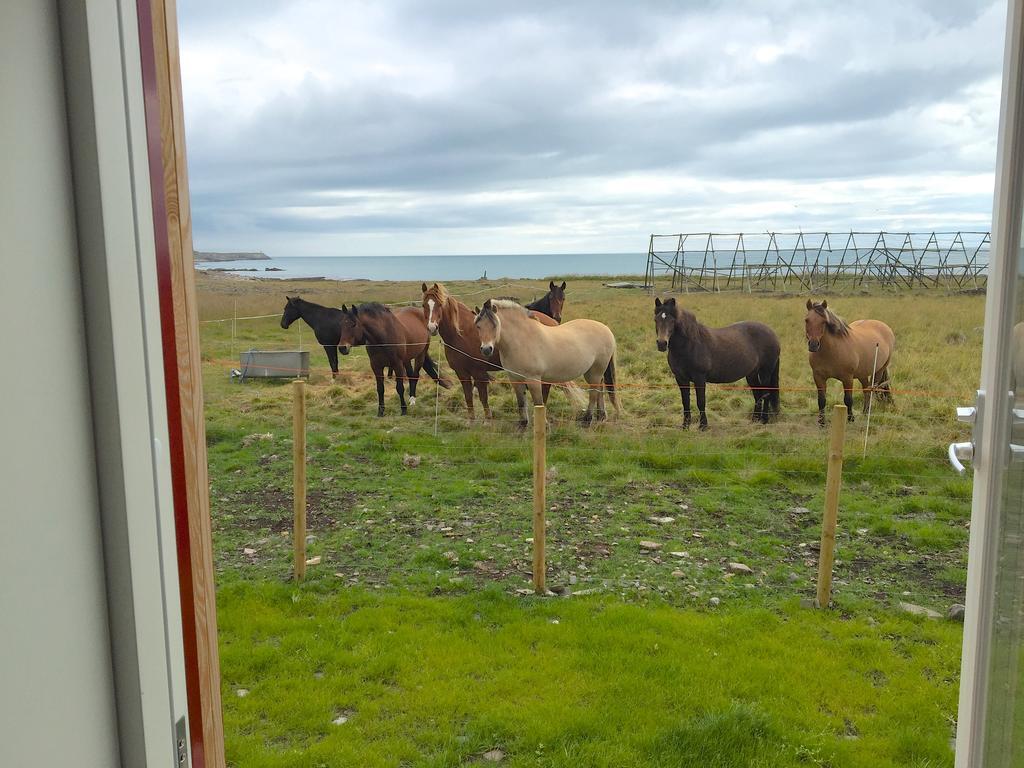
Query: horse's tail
609	383
574	392
773	391
431	368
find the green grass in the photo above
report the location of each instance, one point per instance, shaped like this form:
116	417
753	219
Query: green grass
411	556
439	681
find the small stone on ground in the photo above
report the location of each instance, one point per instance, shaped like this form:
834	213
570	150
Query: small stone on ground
739	568
650	546
493	756
956	612
919	610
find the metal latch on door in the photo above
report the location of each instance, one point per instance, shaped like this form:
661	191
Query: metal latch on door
961	452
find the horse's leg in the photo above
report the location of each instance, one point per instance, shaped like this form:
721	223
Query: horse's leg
332	358
868	391
700	388
520	390
759	413
412	370
378	373
467	391
848	398
819	384
684	391
481	390
400	374
587	417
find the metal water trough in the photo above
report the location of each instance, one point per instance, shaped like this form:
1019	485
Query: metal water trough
277	364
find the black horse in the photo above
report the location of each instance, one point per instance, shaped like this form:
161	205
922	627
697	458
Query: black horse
325	322
552	302
700	355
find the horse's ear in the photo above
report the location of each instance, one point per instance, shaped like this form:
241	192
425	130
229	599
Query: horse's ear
488	306
563	285
476	310
423	288
824	303
551	285
355	310
671	302
810	304
657	302
344	308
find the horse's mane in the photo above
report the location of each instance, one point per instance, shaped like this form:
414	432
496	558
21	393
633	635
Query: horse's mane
375	307
511	304
448	304
688	321
833	322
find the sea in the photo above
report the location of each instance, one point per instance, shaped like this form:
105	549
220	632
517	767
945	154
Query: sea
533	266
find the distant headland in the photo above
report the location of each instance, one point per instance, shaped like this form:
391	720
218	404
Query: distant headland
214	256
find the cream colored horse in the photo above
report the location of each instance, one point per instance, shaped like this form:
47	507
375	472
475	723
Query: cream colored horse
536	356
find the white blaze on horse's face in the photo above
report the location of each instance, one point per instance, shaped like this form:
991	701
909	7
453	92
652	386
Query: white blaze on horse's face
431	323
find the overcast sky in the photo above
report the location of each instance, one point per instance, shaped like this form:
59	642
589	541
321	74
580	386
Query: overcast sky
466	126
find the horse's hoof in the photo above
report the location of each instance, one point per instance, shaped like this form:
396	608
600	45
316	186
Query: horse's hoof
523	425
686	425
412	401
704	427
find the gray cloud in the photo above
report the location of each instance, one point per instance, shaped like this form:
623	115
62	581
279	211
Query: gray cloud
322	126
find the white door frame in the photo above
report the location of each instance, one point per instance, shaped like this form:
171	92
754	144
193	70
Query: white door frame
992	428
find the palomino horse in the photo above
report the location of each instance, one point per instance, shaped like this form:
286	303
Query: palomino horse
720	356
325	322
551	303
847	351
395	340
535	356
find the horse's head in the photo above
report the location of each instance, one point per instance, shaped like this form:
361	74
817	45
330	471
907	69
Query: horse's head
351	329
292	311
815	323
488	327
665	315
433	307
556	300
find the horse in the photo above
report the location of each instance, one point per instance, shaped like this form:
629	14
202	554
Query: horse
325	322
453	321
395	340
700	355
536	355
847	351
551	303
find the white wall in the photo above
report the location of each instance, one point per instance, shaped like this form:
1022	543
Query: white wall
56	692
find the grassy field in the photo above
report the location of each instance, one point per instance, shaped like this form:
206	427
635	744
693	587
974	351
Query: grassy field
439	659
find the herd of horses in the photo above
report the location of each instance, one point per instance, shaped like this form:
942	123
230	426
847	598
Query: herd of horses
536	350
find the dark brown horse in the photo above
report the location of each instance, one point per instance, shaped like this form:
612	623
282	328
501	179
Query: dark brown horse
396	340
701	355
551	303
453	320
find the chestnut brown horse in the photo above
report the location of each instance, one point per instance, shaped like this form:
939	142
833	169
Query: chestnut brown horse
397	340
700	355
847	351
453	321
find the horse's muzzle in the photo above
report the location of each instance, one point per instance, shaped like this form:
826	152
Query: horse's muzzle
344	349
662	345
432	329
487	350
284	323
813	345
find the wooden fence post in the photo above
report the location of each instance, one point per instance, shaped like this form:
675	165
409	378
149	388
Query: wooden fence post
540	423
833	480
299	476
